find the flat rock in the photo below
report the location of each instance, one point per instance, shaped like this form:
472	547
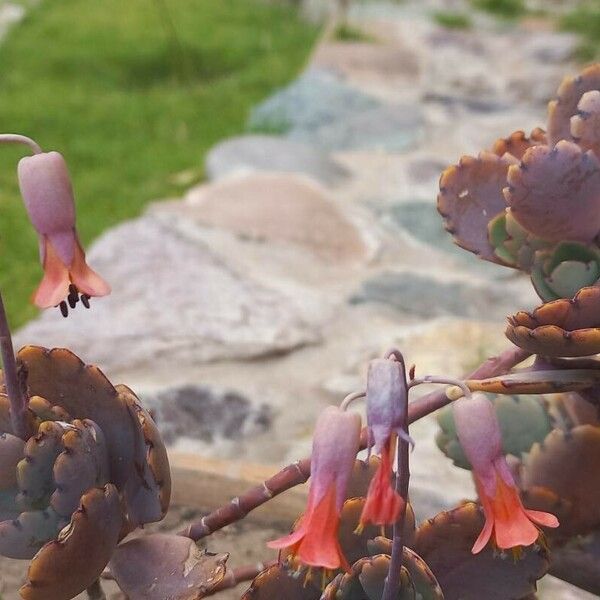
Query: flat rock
313	100
173	301
274	207
390	128
206	414
428	297
249	153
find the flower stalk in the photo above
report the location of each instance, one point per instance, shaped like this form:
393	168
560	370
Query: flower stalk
14	391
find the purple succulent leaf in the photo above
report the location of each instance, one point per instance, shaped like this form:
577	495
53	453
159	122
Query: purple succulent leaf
68	565
23	537
84	392
159	566
585	125
148	489
470	197
82	465
564	106
517	143
34	472
555	193
12	450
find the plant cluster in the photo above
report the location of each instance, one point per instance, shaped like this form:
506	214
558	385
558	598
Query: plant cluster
82	464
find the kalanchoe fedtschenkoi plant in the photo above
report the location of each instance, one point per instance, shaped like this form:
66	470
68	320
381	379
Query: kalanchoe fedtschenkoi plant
82	463
510	524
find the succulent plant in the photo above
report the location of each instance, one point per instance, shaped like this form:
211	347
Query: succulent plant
523	420
94	469
533	204
445	542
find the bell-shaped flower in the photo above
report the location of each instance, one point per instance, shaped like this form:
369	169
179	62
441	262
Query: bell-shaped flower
335	445
48	196
386	407
506	519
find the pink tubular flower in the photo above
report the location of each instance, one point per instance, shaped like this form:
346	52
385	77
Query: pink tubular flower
48	196
386	405
505	516
335	444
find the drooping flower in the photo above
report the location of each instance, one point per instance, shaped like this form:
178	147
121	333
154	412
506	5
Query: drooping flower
48	196
506	519
386	406
335	444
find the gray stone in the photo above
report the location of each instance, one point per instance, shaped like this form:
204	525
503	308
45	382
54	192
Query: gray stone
173	301
423	222
271	153
390	127
205	414
424	296
315	99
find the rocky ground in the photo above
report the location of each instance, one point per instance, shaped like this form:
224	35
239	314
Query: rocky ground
314	247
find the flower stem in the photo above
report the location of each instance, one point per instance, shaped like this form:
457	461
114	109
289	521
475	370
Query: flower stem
392	581
16	398
298	472
16	138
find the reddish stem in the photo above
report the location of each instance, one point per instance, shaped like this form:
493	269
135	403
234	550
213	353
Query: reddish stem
298	472
18	403
234	577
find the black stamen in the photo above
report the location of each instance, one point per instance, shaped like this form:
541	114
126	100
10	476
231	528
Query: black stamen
64	309
85	300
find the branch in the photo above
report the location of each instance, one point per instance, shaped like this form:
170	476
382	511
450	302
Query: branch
298	472
234	577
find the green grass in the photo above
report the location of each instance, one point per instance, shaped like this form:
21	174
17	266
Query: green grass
508	9
452	20
98	82
585	20
347	33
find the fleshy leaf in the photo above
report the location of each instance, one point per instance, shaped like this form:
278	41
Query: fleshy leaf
565	463
23	537
585	125
82	465
445	543
560	328
35	472
470	197
554	193
277	581
366	581
67	566
159	566
148	489
518	143
569	95
12	450
85	393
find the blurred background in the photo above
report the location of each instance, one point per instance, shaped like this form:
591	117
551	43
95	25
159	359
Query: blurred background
257	181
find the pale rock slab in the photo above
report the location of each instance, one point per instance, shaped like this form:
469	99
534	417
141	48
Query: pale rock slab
274	207
173	301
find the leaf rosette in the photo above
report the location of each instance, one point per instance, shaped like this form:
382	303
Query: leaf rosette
94	469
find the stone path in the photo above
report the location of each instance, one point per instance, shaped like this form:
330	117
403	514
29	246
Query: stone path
310	251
